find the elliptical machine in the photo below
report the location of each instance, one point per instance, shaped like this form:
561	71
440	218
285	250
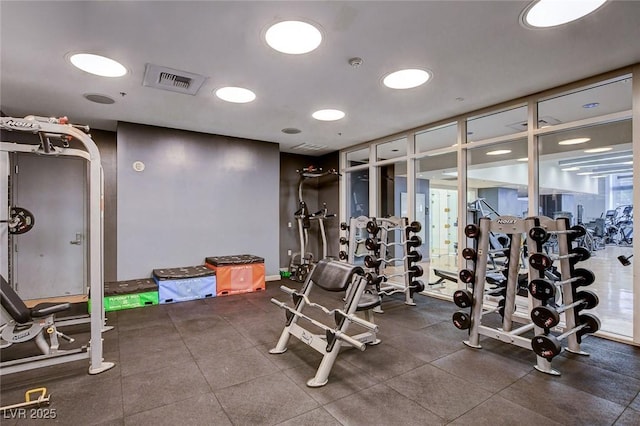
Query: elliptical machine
301	262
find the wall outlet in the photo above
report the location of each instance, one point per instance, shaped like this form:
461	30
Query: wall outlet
288	252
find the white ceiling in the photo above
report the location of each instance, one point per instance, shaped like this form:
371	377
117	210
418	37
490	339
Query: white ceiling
477	50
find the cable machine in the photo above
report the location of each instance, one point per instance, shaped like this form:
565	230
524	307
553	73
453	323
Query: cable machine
61	131
301	262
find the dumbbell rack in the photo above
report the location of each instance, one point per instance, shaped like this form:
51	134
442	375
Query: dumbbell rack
565	238
514	228
357	229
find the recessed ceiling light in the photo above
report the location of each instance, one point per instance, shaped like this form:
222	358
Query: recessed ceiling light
584	173
591	105
406	79
98	65
551	13
293	37
523	159
593	150
328	115
574	141
238	95
499	152
570	169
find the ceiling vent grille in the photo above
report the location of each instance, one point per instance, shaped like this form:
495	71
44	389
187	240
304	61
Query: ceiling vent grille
542	122
173	80
309	147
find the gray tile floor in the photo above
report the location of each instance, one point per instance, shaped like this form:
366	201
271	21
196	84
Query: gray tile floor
206	362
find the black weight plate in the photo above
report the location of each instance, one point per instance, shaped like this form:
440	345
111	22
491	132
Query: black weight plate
590	299
344	241
372	227
414	256
371	244
471	231
370	262
539	234
418	286
542	289
577	232
462	298
545	317
540	261
342	255
414	241
469	254
372	278
579	254
461	320
591	324
546	346
586	277
415	226
21	220
344	226
416	271
467	276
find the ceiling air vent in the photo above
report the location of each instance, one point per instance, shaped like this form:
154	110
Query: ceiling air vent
542	122
173	80
309	147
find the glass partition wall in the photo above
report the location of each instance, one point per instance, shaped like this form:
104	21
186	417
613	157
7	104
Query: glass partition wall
568	152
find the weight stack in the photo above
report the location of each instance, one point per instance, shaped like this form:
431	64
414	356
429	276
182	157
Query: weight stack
186	283
243	273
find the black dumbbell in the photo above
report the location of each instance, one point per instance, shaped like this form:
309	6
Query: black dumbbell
417	286
342	255
463	298
542	261
372	227
549	316
414	241
461	320
467	276
541	235
344	241
344	226
548	346
472	231
469	253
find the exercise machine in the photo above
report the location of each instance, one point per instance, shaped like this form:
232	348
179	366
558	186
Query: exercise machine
337	277
58	137
301	262
32	324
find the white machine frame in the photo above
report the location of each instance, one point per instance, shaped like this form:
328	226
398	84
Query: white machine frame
48	128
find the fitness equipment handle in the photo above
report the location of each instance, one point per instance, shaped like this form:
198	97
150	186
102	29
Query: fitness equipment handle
339	334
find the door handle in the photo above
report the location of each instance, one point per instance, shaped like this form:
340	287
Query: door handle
78	240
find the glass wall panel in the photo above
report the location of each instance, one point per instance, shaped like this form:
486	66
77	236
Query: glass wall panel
590	180
358	193
393	149
497	124
605	98
393	199
436	208
439	137
357	158
497	180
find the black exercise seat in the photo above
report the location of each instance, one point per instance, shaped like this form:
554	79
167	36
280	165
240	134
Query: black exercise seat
332	275
20	313
368	301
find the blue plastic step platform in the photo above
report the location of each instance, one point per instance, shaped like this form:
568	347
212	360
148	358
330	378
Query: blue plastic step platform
186	283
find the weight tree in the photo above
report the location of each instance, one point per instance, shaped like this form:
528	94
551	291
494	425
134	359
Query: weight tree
59	129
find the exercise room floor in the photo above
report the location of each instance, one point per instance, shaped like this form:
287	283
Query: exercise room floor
206	362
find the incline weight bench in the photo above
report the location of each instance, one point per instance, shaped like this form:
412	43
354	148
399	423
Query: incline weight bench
27	324
334	276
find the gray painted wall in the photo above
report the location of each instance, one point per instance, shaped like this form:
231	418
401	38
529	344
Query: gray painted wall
200	195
